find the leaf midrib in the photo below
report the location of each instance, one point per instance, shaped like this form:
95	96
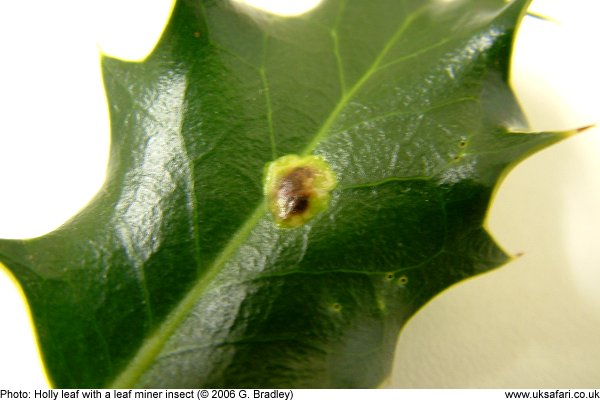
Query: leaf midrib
153	345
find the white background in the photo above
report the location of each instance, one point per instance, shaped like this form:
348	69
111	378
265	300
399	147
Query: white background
532	323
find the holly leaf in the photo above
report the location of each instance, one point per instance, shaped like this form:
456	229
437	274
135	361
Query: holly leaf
184	270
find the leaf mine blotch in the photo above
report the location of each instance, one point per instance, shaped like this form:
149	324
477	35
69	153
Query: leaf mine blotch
297	188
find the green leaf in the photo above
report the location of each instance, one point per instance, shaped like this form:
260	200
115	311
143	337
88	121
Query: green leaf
177	275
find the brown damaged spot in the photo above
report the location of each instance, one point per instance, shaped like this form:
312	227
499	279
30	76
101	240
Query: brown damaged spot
297	188
295	192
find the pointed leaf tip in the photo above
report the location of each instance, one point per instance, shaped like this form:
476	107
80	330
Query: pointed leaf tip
571	132
585	128
542	17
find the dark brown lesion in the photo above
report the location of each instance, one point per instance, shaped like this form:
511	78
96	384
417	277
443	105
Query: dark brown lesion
295	191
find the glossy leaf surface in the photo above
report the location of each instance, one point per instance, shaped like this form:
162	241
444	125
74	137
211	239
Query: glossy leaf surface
176	274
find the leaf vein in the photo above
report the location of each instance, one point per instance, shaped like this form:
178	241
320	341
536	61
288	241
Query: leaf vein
336	47
266	92
415	54
331	271
151	348
386	180
399	113
191	194
345	99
